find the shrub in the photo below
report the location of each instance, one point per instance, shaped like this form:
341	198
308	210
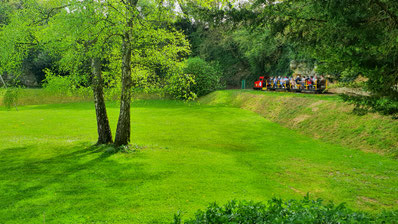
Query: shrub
10	98
65	85
180	86
207	76
292	211
56	84
364	104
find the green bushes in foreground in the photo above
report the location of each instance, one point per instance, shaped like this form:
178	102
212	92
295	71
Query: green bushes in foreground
292	211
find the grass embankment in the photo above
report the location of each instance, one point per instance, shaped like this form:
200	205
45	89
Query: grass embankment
42	96
189	155
323	117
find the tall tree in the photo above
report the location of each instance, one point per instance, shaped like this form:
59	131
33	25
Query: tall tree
123	125
76	32
133	35
147	39
126	33
103	128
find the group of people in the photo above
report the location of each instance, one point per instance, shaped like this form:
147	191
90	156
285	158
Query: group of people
300	82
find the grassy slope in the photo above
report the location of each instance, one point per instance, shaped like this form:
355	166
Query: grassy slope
38	96
41	96
194	154
323	117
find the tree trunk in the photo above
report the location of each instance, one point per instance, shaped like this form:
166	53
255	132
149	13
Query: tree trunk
123	124
103	128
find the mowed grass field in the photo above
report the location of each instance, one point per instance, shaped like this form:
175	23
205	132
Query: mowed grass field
187	156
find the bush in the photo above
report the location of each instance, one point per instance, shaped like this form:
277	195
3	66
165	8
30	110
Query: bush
10	98
56	84
364	104
207	77
180	86
65	85
292	211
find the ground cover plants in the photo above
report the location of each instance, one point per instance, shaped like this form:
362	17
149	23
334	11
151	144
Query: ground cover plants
279	211
185	156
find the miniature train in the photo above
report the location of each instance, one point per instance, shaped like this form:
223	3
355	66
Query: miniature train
298	84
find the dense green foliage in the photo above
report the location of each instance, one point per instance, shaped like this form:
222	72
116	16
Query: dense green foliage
364	104
187	155
346	39
342	40
60	84
207	76
279	211
240	51
10	98
64	35
196	78
180	86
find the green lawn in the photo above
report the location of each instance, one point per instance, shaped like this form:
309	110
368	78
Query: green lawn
189	155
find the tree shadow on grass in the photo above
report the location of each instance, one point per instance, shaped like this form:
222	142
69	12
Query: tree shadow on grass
49	170
77	177
68	106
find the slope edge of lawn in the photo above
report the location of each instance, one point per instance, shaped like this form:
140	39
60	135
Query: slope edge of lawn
322	117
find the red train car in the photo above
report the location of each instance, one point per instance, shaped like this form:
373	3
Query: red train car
258	85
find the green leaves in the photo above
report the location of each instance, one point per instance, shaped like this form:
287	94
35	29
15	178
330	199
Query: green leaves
17	36
180	86
207	76
345	38
10	98
279	211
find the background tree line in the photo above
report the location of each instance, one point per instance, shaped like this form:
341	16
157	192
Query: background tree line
341	39
225	42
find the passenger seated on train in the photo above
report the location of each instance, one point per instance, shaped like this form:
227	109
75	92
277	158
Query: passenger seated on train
275	81
297	81
303	81
283	81
286	82
293	83
316	81
300	82
310	82
279	81
322	82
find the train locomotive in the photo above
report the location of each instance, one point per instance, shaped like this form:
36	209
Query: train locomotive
292	84
260	83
